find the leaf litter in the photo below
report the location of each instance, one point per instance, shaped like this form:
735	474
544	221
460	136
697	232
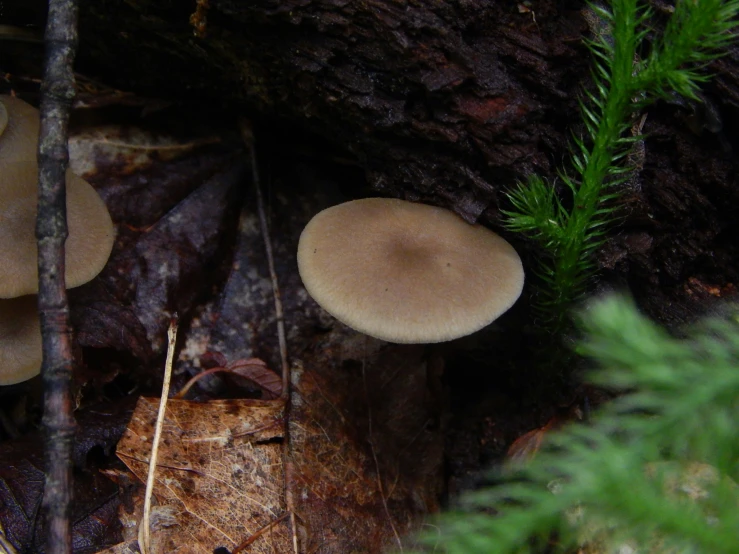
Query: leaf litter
111	340
362	460
361	463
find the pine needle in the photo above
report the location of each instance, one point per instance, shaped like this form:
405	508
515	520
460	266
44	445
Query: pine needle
145	526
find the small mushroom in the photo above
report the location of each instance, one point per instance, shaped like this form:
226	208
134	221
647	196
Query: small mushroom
19	135
20	340
406	272
88	246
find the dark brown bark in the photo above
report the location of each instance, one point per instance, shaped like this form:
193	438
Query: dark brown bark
448	103
441	102
57	93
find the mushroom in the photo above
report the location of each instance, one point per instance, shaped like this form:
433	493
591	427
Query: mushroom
406	272
20	340
88	246
19	135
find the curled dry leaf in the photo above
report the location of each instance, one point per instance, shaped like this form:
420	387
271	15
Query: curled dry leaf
256	371
525	447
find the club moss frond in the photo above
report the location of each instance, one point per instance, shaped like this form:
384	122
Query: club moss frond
622	85
622	478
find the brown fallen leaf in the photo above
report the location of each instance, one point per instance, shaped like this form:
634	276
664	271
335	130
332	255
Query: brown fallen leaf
256	371
218	473
142	171
525	447
253	370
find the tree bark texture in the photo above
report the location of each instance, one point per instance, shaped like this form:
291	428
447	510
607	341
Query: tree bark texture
438	101
57	93
447	102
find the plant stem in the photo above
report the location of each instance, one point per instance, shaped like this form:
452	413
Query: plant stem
600	158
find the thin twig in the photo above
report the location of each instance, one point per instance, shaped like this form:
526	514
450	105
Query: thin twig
145	528
248	138
259	533
57	93
234	368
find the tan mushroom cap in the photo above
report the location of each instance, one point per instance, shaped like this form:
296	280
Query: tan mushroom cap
20	340
405	272
19	138
88	246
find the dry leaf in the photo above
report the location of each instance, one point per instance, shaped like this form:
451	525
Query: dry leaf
95	511
218	477
135	148
161	270
257	372
525	447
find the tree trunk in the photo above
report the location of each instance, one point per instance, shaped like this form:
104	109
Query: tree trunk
447	102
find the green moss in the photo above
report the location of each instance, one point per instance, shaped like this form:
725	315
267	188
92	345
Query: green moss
572	227
656	469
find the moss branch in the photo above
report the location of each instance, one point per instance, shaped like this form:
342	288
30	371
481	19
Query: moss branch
623	84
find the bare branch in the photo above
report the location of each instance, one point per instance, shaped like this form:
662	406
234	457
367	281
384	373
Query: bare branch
57	93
